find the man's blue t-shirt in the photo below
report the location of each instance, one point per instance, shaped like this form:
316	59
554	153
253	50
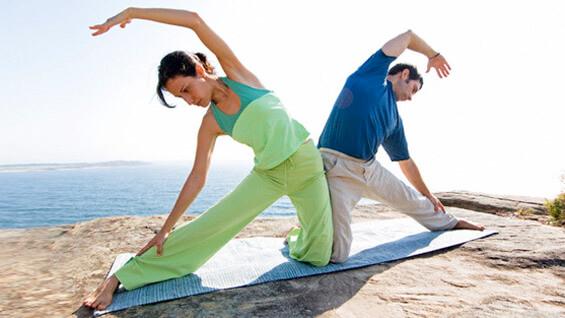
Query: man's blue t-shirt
365	115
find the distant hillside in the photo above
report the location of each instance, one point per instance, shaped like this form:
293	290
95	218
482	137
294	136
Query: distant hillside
33	167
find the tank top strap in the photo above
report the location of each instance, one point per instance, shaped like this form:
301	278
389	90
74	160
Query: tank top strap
246	95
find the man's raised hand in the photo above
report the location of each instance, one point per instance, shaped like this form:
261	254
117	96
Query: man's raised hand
441	66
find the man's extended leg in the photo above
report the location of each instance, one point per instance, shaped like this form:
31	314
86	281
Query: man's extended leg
385	187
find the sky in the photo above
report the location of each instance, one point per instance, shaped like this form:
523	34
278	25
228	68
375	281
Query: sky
494	125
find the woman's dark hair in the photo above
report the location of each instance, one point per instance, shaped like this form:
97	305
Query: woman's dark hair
414	75
179	63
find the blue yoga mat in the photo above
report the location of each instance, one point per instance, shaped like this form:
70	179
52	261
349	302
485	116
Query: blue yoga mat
252	261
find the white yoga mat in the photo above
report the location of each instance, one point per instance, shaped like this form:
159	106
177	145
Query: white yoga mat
252	261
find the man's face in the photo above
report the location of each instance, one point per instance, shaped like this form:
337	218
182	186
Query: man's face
404	89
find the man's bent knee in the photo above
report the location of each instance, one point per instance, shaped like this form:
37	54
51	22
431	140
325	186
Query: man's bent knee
339	259
339	255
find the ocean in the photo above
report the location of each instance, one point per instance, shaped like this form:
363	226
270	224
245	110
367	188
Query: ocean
46	195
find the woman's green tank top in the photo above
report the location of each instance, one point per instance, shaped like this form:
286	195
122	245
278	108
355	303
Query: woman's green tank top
261	123
246	94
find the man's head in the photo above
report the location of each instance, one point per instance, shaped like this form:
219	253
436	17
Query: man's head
406	81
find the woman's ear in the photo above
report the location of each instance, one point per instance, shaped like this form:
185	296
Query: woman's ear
200	71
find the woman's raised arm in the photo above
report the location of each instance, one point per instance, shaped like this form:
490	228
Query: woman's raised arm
229	62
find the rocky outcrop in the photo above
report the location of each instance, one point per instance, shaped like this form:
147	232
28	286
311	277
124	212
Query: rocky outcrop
482	202
519	272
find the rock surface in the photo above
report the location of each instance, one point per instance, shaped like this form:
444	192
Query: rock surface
519	272
482	202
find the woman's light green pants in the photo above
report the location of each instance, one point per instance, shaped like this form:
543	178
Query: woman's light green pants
300	177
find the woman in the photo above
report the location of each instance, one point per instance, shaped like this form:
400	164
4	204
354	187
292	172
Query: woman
286	163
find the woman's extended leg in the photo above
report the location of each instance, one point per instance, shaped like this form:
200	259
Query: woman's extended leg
189	246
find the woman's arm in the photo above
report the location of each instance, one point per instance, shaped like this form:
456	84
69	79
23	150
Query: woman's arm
231	65
209	131
206	140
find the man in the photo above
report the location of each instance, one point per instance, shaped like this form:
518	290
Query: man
364	117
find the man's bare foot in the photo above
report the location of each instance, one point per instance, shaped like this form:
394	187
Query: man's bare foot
466	225
102	296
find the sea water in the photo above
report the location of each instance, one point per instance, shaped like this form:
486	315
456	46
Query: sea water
44	196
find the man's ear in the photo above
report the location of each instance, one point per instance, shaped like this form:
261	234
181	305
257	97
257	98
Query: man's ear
405	74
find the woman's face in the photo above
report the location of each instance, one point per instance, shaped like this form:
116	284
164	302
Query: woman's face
194	90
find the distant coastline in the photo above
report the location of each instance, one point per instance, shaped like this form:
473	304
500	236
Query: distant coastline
37	167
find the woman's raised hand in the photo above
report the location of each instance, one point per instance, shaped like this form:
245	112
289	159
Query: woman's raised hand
121	18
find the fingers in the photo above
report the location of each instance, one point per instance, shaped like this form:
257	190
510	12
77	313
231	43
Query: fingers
99	29
440	65
159	249
442	71
442	207
445	70
123	24
438	206
434	203
444	67
104	27
149	245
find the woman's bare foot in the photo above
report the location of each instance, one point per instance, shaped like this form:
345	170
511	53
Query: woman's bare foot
466	225
102	296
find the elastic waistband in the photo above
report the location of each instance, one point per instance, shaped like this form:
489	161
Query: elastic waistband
342	155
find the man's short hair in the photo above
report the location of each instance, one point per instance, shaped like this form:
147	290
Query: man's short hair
414	75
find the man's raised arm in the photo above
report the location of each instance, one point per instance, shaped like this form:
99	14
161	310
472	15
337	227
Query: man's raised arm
410	40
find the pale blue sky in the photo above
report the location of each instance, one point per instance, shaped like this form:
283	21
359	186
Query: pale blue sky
495	125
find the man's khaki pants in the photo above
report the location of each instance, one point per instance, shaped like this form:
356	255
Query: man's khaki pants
351	179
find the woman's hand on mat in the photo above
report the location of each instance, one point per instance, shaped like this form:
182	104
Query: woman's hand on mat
156	241
440	65
121	18
438	206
